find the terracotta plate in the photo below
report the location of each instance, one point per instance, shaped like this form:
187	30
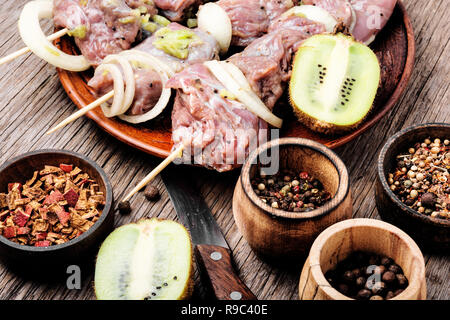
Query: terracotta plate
394	47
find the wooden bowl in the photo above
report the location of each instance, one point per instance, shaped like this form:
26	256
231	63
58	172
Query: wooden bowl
394	48
338	241
431	233
74	251
280	235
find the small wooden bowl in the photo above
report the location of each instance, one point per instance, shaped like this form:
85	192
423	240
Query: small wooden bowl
74	251
431	233
338	241
280	235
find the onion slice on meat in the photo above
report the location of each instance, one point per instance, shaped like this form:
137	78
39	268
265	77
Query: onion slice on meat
164	72
214	20
314	13
31	33
116	107
128	73
234	82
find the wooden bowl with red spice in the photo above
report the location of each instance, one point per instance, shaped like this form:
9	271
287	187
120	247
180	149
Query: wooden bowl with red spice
56	207
427	228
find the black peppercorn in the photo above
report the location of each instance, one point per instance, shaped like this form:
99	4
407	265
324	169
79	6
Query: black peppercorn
152	193
348	276
124	207
388	277
428	200
363	294
343	288
402	281
360	282
390	295
379	288
395	268
385	261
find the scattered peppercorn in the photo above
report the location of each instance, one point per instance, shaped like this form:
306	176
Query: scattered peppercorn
421	178
289	191
358	278
125	207
152	193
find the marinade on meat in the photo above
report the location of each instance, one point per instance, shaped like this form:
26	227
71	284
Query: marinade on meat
339	9
100	27
371	17
219	130
176	10
251	19
148	82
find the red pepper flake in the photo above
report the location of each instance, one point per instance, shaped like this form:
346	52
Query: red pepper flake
54	197
23	230
14	186
20	217
43	243
41	236
66	167
9	232
71	197
304	175
63	217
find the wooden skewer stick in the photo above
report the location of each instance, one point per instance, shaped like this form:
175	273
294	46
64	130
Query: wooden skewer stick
175	154
82	111
22	51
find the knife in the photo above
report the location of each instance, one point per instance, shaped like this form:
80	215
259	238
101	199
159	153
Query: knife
212	251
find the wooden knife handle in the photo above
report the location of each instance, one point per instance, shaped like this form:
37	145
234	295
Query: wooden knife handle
216	263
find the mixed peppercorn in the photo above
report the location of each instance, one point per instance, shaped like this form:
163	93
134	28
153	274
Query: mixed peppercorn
421	179
56	205
365	276
289	191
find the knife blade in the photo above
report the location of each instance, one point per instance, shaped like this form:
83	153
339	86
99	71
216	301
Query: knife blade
212	251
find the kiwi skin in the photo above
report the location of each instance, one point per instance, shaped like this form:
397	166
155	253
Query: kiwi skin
324	127
189	287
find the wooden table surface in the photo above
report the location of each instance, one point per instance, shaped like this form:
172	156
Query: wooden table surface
32	100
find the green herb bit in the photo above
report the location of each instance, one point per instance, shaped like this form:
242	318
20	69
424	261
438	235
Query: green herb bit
161	20
150	26
175	42
78	32
52	51
192	23
127	20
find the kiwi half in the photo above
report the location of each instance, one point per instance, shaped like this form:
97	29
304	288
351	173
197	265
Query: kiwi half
148	260
334	83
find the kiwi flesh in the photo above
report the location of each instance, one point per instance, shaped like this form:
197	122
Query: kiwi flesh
334	83
148	260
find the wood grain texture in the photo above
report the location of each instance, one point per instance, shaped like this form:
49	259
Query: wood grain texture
32	100
218	272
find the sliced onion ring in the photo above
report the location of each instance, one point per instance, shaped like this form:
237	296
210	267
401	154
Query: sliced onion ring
314	13
31	33
164	72
214	20
140	56
116	107
250	100
129	80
